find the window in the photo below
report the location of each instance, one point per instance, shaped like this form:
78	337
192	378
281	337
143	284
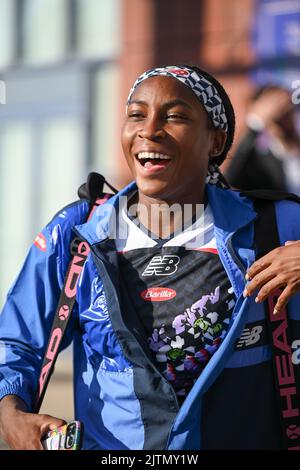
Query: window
15	199
59	120
7	44
44	30
98	27
43	157
61	166
105	140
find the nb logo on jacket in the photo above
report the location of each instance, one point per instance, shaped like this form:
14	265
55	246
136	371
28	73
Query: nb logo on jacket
164	265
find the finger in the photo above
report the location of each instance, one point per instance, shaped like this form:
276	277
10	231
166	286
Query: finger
53	426
269	287
284	297
258	266
265	261
259	280
50	423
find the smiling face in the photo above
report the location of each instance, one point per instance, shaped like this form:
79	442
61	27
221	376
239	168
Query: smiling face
167	140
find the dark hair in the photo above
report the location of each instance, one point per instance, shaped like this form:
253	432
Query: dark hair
228	109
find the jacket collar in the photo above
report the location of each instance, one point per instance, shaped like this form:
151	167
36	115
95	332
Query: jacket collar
231	212
100	226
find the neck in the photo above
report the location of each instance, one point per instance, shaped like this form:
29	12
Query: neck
163	216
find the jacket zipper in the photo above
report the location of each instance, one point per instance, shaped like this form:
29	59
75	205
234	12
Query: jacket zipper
136	339
234	256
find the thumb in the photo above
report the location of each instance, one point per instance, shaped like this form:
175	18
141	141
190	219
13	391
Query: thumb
59	423
51	423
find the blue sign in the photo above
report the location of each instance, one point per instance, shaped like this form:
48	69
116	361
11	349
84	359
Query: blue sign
276	42
277	29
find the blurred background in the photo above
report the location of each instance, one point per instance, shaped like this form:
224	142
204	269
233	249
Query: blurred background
66	67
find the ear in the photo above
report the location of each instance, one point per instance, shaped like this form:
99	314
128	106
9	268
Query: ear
218	141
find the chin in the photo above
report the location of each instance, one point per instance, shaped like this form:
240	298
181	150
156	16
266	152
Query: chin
155	189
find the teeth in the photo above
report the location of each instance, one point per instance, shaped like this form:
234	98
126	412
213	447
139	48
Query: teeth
152	155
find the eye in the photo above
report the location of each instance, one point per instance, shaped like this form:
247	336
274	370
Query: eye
135	115
176	117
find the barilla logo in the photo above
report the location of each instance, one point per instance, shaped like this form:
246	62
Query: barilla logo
40	242
158	294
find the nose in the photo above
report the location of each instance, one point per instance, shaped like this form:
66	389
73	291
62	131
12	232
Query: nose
152	128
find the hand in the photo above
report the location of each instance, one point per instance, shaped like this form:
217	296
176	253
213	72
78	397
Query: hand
271	105
278	269
22	430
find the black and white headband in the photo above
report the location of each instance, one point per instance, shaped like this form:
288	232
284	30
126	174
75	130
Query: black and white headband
205	91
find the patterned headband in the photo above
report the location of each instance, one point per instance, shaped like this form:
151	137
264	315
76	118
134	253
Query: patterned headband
205	91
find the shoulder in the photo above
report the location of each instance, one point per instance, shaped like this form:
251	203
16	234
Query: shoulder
70	215
59	231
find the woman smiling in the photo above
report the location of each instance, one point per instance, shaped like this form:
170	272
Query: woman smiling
170	350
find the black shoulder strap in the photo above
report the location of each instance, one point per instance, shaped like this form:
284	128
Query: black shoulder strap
287	389
266	233
262	195
93	191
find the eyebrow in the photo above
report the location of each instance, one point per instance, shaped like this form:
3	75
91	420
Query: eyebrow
168	104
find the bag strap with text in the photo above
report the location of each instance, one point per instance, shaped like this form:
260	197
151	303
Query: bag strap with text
287	388
91	190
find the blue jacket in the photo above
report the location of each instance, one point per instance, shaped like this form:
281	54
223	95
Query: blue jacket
123	400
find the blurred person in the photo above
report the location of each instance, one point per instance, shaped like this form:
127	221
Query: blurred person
268	156
160	312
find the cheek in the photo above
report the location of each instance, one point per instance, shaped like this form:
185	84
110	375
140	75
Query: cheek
126	139
201	146
195	148
196	158
126	142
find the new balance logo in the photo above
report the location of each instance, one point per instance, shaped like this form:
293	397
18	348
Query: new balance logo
164	265
249	336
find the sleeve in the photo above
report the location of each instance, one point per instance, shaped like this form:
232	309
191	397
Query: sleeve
27	316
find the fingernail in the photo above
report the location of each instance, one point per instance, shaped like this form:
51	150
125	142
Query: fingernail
245	293
275	311
257	299
247	277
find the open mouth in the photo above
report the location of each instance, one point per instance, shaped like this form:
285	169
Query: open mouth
153	160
